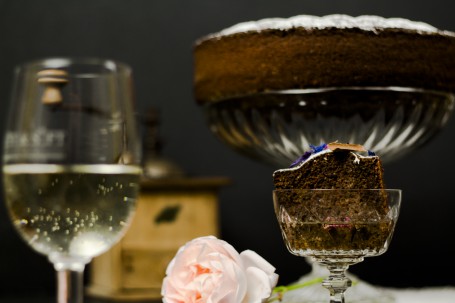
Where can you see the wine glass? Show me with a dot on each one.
(71, 162)
(337, 227)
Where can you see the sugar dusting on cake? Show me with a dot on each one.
(315, 151)
(365, 22)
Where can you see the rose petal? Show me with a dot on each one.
(251, 258)
(233, 283)
(259, 287)
(260, 274)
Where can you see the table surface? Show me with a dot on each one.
(411, 295)
(424, 295)
(51, 299)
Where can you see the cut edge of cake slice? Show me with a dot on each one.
(333, 166)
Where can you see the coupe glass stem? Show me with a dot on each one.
(70, 286)
(337, 282)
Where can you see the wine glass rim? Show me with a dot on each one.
(62, 62)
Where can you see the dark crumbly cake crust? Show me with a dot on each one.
(324, 221)
(364, 238)
(254, 62)
(337, 169)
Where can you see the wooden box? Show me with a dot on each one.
(169, 213)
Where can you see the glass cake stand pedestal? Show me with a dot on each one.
(278, 127)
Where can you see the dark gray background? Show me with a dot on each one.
(156, 38)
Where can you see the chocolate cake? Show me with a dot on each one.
(334, 165)
(313, 52)
(332, 200)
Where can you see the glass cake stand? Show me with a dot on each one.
(278, 126)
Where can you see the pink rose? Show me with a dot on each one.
(210, 270)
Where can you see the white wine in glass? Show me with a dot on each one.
(71, 163)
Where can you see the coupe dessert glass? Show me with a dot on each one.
(71, 163)
(337, 227)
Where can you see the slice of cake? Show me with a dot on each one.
(332, 199)
(333, 165)
(315, 52)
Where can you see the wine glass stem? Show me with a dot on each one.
(70, 288)
(337, 282)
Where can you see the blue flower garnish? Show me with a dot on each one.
(318, 149)
(302, 158)
(307, 154)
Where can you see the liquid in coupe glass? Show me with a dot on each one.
(71, 164)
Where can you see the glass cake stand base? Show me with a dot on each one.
(359, 292)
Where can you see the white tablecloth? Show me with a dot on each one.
(424, 295)
(365, 293)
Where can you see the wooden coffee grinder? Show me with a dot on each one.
(172, 209)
